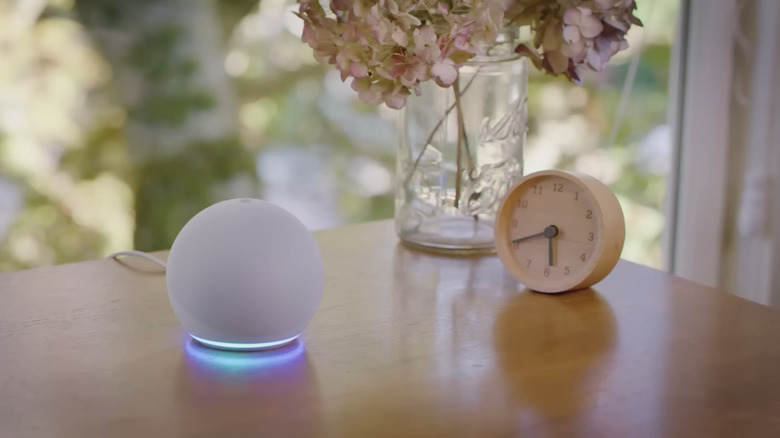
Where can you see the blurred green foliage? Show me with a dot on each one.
(116, 125)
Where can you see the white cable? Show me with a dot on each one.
(141, 254)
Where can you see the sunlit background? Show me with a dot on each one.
(120, 119)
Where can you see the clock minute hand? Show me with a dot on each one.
(550, 245)
(550, 233)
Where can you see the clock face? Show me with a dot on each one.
(553, 231)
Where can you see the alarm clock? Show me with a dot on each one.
(558, 231)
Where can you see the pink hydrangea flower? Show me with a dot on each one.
(444, 72)
(389, 47)
(580, 23)
(572, 35)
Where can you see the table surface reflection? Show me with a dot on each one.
(404, 344)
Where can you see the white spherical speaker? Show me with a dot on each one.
(244, 274)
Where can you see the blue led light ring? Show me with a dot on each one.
(241, 346)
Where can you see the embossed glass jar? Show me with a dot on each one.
(460, 149)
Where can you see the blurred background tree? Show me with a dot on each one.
(181, 133)
(120, 119)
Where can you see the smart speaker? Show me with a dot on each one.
(244, 274)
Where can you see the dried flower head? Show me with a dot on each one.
(573, 34)
(389, 47)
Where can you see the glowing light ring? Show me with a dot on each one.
(243, 347)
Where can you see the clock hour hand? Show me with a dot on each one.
(548, 232)
(532, 236)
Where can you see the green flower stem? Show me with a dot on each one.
(463, 142)
(458, 159)
(434, 131)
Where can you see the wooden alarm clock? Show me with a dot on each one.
(558, 231)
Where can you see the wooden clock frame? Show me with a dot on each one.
(610, 226)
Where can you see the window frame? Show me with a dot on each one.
(700, 114)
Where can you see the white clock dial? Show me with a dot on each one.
(554, 202)
(558, 231)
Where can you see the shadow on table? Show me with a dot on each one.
(268, 393)
(555, 351)
(546, 355)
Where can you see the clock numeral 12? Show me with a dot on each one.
(557, 187)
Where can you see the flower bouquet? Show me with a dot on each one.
(393, 49)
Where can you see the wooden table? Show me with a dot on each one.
(404, 344)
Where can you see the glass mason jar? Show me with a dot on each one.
(460, 149)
